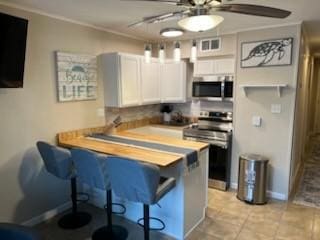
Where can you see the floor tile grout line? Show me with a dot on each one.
(243, 224)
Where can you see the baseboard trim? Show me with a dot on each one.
(275, 195)
(47, 215)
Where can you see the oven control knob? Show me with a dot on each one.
(201, 113)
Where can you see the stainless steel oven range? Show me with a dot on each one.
(215, 128)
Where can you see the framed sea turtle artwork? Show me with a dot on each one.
(77, 76)
(276, 52)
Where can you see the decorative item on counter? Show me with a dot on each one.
(166, 110)
(77, 76)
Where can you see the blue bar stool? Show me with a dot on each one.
(58, 162)
(10, 231)
(92, 170)
(138, 182)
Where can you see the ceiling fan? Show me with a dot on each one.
(198, 15)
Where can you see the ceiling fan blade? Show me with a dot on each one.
(173, 2)
(161, 18)
(255, 10)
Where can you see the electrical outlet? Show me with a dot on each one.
(100, 112)
(276, 108)
(256, 121)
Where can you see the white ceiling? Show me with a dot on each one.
(117, 14)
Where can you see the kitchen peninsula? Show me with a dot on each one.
(180, 209)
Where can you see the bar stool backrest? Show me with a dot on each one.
(57, 160)
(133, 180)
(91, 168)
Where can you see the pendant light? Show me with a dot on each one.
(193, 54)
(147, 53)
(162, 53)
(177, 52)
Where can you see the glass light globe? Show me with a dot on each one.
(200, 23)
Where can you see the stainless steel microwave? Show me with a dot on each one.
(217, 90)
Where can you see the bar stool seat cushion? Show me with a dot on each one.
(15, 232)
(165, 187)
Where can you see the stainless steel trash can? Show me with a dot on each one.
(252, 179)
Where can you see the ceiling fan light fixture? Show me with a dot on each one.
(171, 32)
(200, 23)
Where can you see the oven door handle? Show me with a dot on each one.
(223, 145)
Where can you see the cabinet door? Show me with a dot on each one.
(204, 67)
(150, 82)
(173, 82)
(129, 81)
(224, 66)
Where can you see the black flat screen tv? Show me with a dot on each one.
(13, 39)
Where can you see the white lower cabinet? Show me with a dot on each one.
(173, 82)
(129, 81)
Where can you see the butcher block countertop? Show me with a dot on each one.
(78, 139)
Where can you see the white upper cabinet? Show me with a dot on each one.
(214, 67)
(150, 82)
(225, 66)
(204, 67)
(173, 82)
(129, 81)
(121, 76)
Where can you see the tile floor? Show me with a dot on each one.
(227, 218)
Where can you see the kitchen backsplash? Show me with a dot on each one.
(132, 113)
(193, 108)
(190, 109)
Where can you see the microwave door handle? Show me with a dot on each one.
(222, 89)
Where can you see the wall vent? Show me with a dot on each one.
(210, 44)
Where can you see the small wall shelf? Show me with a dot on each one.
(278, 87)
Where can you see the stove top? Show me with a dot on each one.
(211, 125)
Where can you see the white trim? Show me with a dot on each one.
(59, 17)
(47, 215)
(275, 195)
(293, 110)
(196, 225)
(263, 27)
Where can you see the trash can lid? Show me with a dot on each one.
(254, 157)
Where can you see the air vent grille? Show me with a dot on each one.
(212, 44)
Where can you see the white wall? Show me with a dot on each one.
(274, 138)
(33, 113)
(302, 110)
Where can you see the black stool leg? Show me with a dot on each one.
(110, 232)
(146, 222)
(74, 219)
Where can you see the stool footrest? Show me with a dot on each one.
(119, 205)
(153, 218)
(82, 194)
